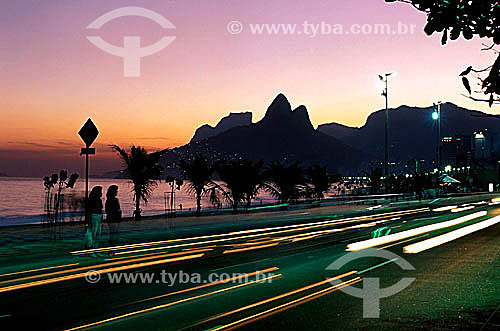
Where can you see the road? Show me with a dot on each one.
(276, 277)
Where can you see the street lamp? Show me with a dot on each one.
(384, 78)
(436, 115)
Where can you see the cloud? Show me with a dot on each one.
(34, 144)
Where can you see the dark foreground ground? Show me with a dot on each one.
(456, 287)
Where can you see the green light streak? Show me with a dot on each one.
(376, 266)
(266, 207)
(215, 327)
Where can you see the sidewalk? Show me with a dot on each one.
(36, 242)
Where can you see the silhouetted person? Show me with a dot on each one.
(180, 206)
(95, 211)
(113, 213)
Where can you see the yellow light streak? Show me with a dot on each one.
(458, 210)
(256, 235)
(303, 238)
(212, 284)
(171, 303)
(446, 208)
(158, 255)
(276, 297)
(295, 227)
(287, 305)
(102, 271)
(90, 267)
(249, 248)
(39, 269)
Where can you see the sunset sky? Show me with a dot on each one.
(53, 78)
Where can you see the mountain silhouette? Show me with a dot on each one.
(287, 135)
(231, 121)
(283, 135)
(413, 132)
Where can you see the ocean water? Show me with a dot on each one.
(22, 199)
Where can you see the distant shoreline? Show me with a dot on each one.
(36, 177)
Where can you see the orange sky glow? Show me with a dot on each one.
(53, 78)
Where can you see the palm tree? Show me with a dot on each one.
(375, 179)
(285, 183)
(199, 174)
(320, 180)
(143, 170)
(242, 180)
(254, 180)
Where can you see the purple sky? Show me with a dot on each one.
(53, 78)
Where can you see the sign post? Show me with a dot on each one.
(88, 133)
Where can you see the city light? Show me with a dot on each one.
(435, 116)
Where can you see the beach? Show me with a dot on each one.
(22, 200)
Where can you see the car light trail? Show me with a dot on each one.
(303, 238)
(39, 269)
(212, 284)
(285, 306)
(375, 266)
(458, 210)
(95, 266)
(277, 297)
(253, 242)
(143, 257)
(295, 227)
(248, 248)
(363, 225)
(411, 233)
(446, 208)
(102, 271)
(234, 238)
(171, 303)
(269, 207)
(406, 240)
(439, 240)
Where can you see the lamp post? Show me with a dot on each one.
(436, 115)
(384, 78)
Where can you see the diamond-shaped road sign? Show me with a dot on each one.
(88, 132)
